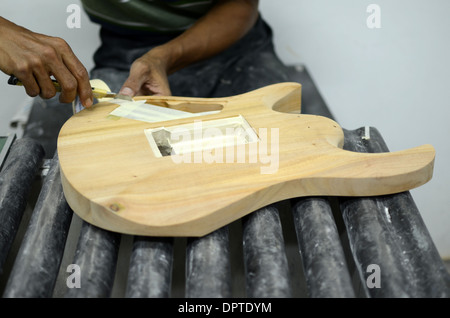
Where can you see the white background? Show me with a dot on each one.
(395, 78)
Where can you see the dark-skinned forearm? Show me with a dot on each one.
(225, 24)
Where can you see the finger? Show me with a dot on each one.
(131, 87)
(156, 90)
(80, 74)
(125, 90)
(68, 85)
(29, 71)
(163, 88)
(135, 80)
(31, 86)
(158, 85)
(47, 88)
(66, 80)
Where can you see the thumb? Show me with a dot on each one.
(133, 83)
(125, 90)
(130, 87)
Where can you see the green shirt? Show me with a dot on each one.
(156, 16)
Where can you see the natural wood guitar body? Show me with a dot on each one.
(113, 179)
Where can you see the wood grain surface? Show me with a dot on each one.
(112, 178)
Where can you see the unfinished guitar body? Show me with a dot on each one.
(190, 176)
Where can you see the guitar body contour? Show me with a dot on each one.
(114, 177)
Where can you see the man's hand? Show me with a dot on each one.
(227, 22)
(148, 75)
(34, 57)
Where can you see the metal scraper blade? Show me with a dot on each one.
(77, 106)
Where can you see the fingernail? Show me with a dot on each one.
(88, 102)
(126, 91)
